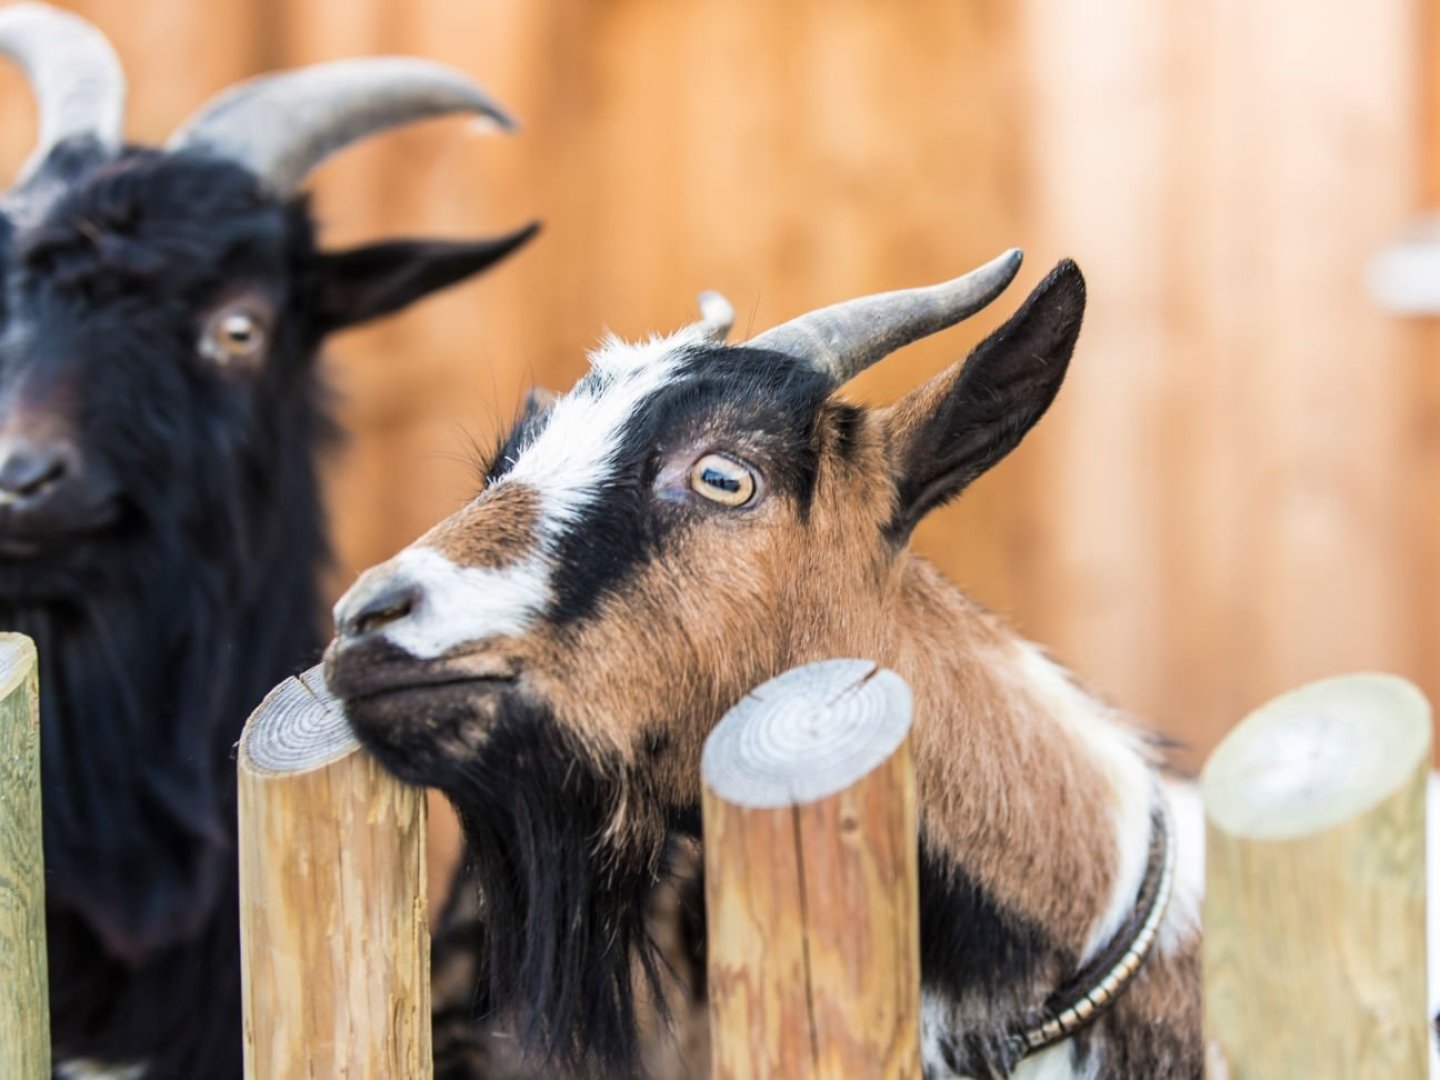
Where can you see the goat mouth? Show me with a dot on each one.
(369, 677)
(420, 687)
(20, 547)
(33, 540)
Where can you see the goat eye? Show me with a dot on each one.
(233, 336)
(723, 480)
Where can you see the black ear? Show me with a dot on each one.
(959, 424)
(367, 282)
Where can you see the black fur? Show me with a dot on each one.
(563, 906)
(164, 616)
(1006, 955)
(762, 407)
(985, 958)
(534, 414)
(845, 421)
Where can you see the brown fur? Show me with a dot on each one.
(729, 608)
(1020, 774)
(510, 514)
(1045, 847)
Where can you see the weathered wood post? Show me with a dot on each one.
(811, 880)
(336, 948)
(1315, 900)
(24, 979)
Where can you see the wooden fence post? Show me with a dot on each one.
(24, 979)
(336, 948)
(1314, 944)
(811, 879)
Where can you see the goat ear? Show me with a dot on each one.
(366, 282)
(955, 427)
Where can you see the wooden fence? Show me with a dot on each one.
(1315, 954)
(811, 882)
(336, 962)
(1315, 906)
(1315, 911)
(24, 985)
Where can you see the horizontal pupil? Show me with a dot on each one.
(716, 479)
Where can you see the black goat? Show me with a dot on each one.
(160, 522)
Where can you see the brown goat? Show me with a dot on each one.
(691, 520)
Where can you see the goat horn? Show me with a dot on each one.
(717, 316)
(846, 338)
(281, 126)
(74, 73)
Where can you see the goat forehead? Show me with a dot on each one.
(639, 397)
(489, 569)
(573, 460)
(151, 217)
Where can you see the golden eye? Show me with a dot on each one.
(723, 480)
(233, 335)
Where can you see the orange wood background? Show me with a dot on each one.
(1237, 490)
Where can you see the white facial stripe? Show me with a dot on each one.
(572, 462)
(568, 466)
(459, 604)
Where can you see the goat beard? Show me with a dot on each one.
(135, 836)
(565, 848)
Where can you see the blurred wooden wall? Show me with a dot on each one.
(1237, 489)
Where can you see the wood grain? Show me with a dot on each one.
(336, 947)
(1315, 946)
(24, 982)
(1228, 467)
(812, 895)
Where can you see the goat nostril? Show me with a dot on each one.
(27, 474)
(387, 606)
(50, 476)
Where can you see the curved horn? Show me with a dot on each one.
(846, 338)
(281, 126)
(717, 316)
(76, 77)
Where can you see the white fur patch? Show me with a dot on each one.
(934, 1020)
(458, 604)
(1187, 818)
(1117, 753)
(1054, 1063)
(571, 464)
(87, 1069)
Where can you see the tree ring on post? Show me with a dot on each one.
(806, 735)
(299, 727)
